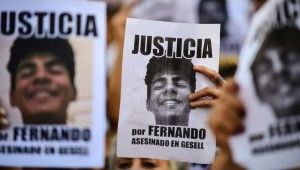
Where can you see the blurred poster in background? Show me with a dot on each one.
(268, 77)
(52, 83)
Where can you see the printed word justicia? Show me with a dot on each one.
(172, 47)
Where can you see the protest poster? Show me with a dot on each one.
(158, 56)
(268, 77)
(53, 83)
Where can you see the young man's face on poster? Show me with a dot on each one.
(168, 95)
(42, 85)
(278, 78)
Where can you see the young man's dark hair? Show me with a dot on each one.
(22, 48)
(169, 82)
(276, 72)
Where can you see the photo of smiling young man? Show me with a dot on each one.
(276, 71)
(42, 79)
(169, 82)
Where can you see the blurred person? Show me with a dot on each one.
(226, 13)
(118, 13)
(118, 23)
(121, 163)
(214, 12)
(140, 164)
(195, 166)
(278, 62)
(42, 79)
(222, 12)
(113, 7)
(225, 120)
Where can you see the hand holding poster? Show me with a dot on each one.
(156, 120)
(49, 52)
(268, 76)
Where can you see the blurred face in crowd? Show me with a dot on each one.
(43, 86)
(278, 78)
(211, 11)
(168, 96)
(140, 164)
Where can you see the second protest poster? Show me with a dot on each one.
(156, 120)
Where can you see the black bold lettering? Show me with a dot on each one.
(178, 133)
(90, 26)
(186, 133)
(179, 48)
(207, 51)
(16, 133)
(64, 26)
(146, 46)
(25, 26)
(171, 131)
(156, 131)
(75, 134)
(133, 141)
(163, 131)
(170, 46)
(8, 23)
(199, 48)
(44, 134)
(65, 134)
(33, 133)
(194, 134)
(86, 134)
(156, 42)
(202, 133)
(187, 52)
(136, 44)
(78, 25)
(54, 134)
(40, 21)
(52, 23)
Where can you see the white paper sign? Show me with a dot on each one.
(161, 124)
(53, 83)
(268, 75)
